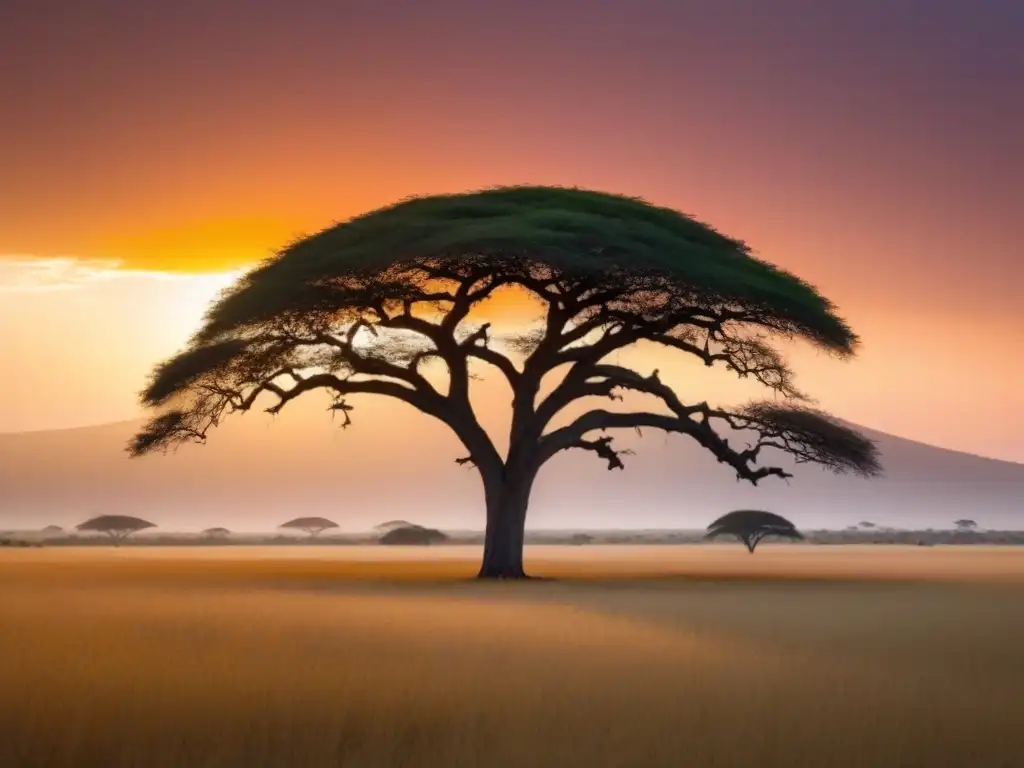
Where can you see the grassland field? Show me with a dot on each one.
(623, 656)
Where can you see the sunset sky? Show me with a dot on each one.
(148, 149)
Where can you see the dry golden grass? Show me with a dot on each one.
(305, 657)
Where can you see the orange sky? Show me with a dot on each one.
(872, 151)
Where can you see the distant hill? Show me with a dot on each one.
(255, 474)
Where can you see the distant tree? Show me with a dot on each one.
(965, 525)
(390, 525)
(360, 307)
(117, 527)
(216, 533)
(314, 526)
(22, 543)
(866, 524)
(752, 525)
(580, 538)
(52, 530)
(413, 535)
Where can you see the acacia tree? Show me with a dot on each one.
(414, 535)
(391, 525)
(216, 533)
(314, 526)
(117, 527)
(752, 525)
(965, 525)
(363, 306)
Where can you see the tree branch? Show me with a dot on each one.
(807, 435)
(602, 446)
(743, 356)
(569, 436)
(577, 385)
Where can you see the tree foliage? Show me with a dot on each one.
(117, 527)
(413, 535)
(372, 305)
(390, 525)
(314, 526)
(752, 525)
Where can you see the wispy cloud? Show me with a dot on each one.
(32, 274)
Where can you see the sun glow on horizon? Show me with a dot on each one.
(197, 295)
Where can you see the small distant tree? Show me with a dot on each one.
(314, 526)
(117, 527)
(413, 535)
(866, 524)
(752, 525)
(391, 525)
(965, 525)
(580, 538)
(216, 533)
(52, 530)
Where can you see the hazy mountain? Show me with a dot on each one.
(254, 474)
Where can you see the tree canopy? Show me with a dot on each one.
(390, 525)
(414, 535)
(752, 525)
(117, 527)
(363, 306)
(314, 526)
(216, 532)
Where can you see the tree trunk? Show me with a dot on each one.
(507, 502)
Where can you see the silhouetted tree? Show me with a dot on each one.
(363, 306)
(414, 535)
(314, 526)
(965, 525)
(52, 530)
(117, 527)
(390, 525)
(216, 533)
(866, 524)
(580, 539)
(752, 525)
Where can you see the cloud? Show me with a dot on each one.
(33, 274)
